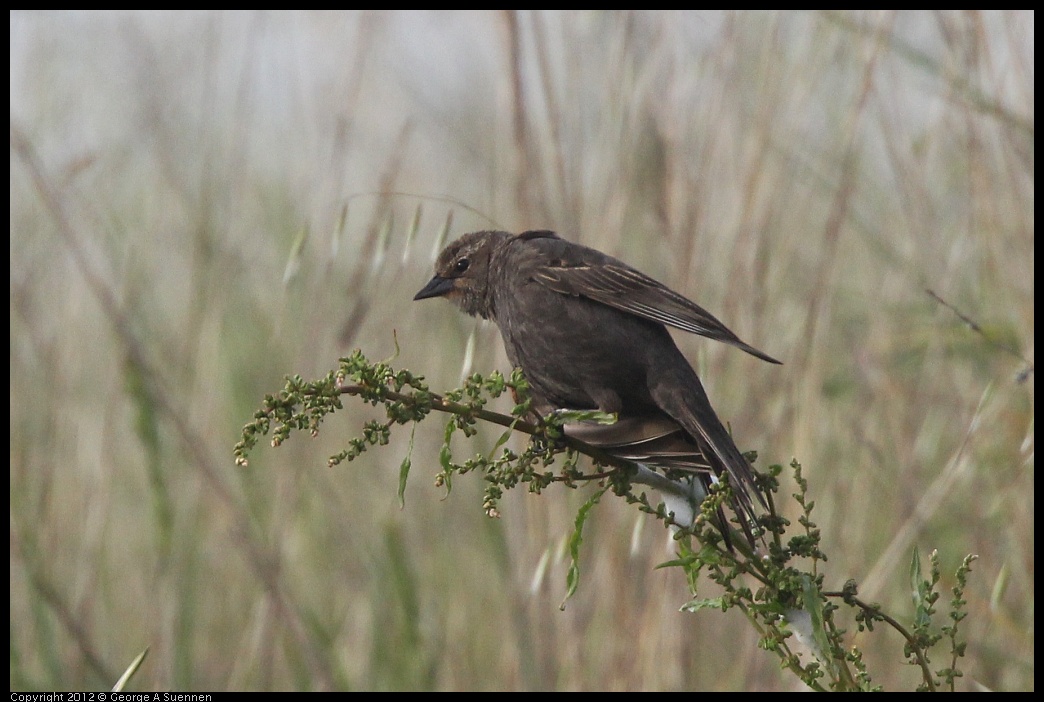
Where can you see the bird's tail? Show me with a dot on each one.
(678, 392)
(657, 441)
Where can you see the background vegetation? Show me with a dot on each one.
(202, 203)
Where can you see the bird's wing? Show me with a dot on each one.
(657, 440)
(629, 290)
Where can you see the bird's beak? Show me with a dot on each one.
(436, 287)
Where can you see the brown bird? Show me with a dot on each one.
(588, 332)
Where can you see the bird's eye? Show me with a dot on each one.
(461, 265)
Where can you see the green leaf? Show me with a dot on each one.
(915, 573)
(131, 670)
(596, 416)
(1000, 586)
(404, 469)
(678, 562)
(919, 592)
(703, 603)
(573, 575)
(812, 602)
(500, 442)
(446, 455)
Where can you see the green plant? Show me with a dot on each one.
(778, 585)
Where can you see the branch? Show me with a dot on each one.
(441, 404)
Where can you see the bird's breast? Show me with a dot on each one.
(577, 353)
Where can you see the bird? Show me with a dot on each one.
(590, 333)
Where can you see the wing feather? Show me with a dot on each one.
(629, 290)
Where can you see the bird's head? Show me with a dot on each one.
(462, 273)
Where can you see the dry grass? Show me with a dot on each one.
(805, 176)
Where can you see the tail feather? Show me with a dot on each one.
(679, 393)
